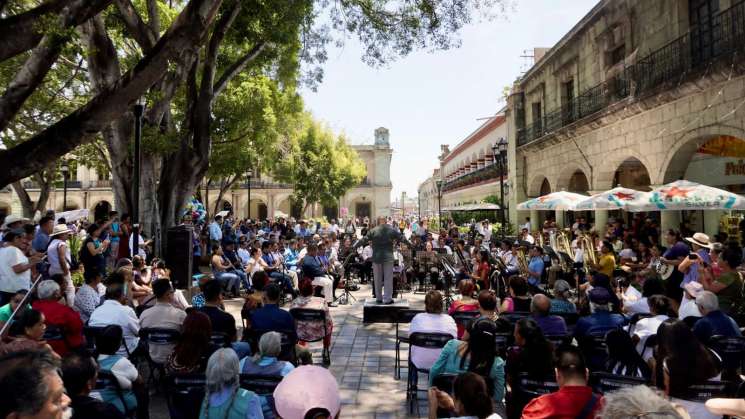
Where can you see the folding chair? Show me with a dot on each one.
(444, 382)
(514, 316)
(422, 340)
(700, 393)
(527, 388)
(90, 333)
(54, 333)
(595, 351)
(604, 382)
(464, 318)
(262, 385)
(313, 315)
(502, 341)
(404, 316)
(289, 340)
(184, 395)
(219, 339)
(156, 336)
(559, 340)
(732, 351)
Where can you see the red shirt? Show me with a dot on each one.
(66, 318)
(566, 403)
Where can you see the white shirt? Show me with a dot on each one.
(255, 266)
(244, 255)
(140, 240)
(688, 308)
(634, 302)
(10, 281)
(646, 328)
(166, 316)
(113, 312)
(430, 323)
(529, 239)
(367, 252)
(124, 371)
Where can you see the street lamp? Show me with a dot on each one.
(139, 110)
(249, 173)
(499, 152)
(438, 184)
(65, 169)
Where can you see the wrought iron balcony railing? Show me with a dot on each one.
(713, 39)
(485, 173)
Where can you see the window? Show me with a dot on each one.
(618, 54)
(700, 13)
(567, 101)
(536, 115)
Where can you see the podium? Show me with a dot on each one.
(372, 312)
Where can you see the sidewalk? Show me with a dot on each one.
(362, 359)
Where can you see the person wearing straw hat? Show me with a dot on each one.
(59, 258)
(689, 266)
(12, 222)
(15, 267)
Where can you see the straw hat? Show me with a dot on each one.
(699, 239)
(60, 229)
(13, 219)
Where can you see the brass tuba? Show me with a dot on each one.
(522, 262)
(564, 245)
(588, 249)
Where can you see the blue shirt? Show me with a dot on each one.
(312, 267)
(449, 363)
(678, 250)
(269, 360)
(551, 325)
(271, 317)
(291, 258)
(562, 306)
(215, 231)
(692, 273)
(41, 241)
(535, 265)
(715, 323)
(598, 323)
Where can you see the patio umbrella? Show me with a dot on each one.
(562, 201)
(687, 195)
(616, 198)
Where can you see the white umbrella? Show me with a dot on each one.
(616, 198)
(561, 201)
(687, 195)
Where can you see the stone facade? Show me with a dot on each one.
(371, 198)
(427, 193)
(626, 98)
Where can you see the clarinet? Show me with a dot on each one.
(463, 262)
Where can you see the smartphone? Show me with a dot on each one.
(693, 256)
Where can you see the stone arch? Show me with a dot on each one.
(679, 155)
(73, 203)
(632, 173)
(537, 185)
(606, 170)
(5, 209)
(571, 175)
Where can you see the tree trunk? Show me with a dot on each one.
(186, 34)
(224, 186)
(150, 218)
(27, 204)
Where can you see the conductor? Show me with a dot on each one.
(382, 238)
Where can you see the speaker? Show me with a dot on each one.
(179, 255)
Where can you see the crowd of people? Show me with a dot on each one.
(536, 325)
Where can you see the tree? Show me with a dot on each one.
(320, 167)
(182, 58)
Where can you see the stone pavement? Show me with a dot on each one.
(362, 359)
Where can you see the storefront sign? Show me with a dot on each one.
(724, 146)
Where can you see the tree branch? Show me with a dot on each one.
(23, 32)
(237, 67)
(142, 33)
(153, 17)
(79, 126)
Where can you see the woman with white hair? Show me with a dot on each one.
(265, 363)
(64, 321)
(639, 401)
(224, 398)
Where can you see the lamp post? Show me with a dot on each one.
(65, 169)
(499, 151)
(139, 110)
(438, 183)
(249, 173)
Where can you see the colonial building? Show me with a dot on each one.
(427, 196)
(638, 93)
(370, 198)
(470, 171)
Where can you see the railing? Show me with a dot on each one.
(720, 36)
(480, 175)
(102, 183)
(260, 184)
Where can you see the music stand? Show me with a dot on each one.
(448, 273)
(345, 297)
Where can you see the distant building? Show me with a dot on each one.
(85, 189)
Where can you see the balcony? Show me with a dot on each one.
(485, 173)
(672, 64)
(260, 184)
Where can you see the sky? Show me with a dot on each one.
(431, 98)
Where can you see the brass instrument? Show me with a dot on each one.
(522, 263)
(564, 245)
(539, 239)
(588, 249)
(466, 265)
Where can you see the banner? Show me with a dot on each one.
(72, 215)
(724, 146)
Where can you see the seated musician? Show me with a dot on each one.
(482, 270)
(526, 237)
(507, 254)
(441, 245)
(462, 260)
(535, 267)
(323, 256)
(427, 262)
